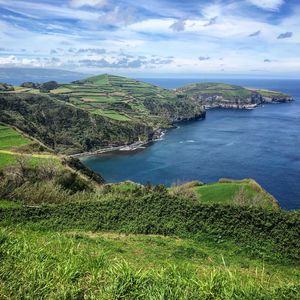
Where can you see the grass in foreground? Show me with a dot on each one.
(52, 265)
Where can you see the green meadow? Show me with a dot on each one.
(10, 138)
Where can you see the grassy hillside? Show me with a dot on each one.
(85, 265)
(64, 127)
(242, 192)
(62, 239)
(123, 99)
(101, 111)
(147, 244)
(220, 89)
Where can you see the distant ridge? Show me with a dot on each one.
(16, 76)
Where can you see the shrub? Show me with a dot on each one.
(48, 86)
(29, 84)
(184, 191)
(40, 192)
(47, 192)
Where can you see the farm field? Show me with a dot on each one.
(117, 98)
(10, 138)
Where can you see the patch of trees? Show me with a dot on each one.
(31, 85)
(48, 86)
(44, 87)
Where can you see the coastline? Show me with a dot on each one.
(130, 147)
(157, 136)
(159, 133)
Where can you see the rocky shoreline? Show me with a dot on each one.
(251, 104)
(156, 136)
(218, 95)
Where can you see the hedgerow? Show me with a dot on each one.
(263, 233)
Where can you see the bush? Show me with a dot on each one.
(72, 182)
(48, 86)
(29, 84)
(40, 192)
(185, 191)
(6, 87)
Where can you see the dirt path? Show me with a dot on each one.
(28, 154)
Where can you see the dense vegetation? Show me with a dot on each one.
(189, 250)
(66, 128)
(276, 232)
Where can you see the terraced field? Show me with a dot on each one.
(10, 138)
(114, 97)
(14, 146)
(123, 99)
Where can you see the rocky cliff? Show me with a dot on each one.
(213, 95)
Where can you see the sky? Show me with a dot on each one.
(153, 37)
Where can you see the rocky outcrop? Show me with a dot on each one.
(277, 99)
(217, 95)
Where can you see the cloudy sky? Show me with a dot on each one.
(157, 37)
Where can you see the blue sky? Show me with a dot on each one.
(153, 37)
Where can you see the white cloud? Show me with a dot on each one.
(271, 5)
(92, 3)
(137, 34)
(178, 25)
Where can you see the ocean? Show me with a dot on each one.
(263, 144)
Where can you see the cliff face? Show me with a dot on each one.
(216, 95)
(65, 128)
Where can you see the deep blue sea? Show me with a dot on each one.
(263, 144)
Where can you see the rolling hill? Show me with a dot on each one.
(101, 111)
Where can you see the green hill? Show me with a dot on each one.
(230, 96)
(98, 112)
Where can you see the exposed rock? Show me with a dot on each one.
(217, 95)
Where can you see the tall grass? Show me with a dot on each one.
(56, 267)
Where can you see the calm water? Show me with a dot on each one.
(263, 144)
